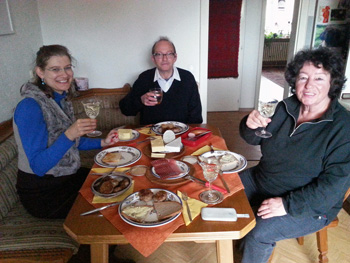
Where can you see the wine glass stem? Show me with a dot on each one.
(210, 195)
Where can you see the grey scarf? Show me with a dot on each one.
(57, 121)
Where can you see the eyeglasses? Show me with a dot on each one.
(68, 69)
(167, 55)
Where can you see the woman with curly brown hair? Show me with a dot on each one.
(299, 184)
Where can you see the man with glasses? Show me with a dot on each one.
(180, 101)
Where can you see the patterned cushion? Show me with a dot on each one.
(110, 115)
(87, 157)
(8, 176)
(21, 231)
(8, 151)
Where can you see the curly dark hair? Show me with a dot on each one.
(42, 58)
(320, 57)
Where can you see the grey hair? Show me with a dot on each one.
(163, 38)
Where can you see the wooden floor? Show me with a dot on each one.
(287, 251)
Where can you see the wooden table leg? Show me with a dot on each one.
(99, 253)
(224, 251)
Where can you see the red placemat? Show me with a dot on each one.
(147, 240)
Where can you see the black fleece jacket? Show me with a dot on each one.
(307, 165)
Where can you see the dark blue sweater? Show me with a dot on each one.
(33, 133)
(180, 103)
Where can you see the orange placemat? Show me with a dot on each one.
(147, 240)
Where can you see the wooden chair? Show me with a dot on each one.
(322, 238)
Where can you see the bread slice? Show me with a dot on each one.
(137, 213)
(167, 209)
(112, 158)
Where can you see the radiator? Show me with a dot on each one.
(275, 52)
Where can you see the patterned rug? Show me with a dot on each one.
(276, 75)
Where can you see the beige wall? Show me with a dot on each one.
(17, 53)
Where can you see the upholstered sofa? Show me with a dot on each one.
(24, 238)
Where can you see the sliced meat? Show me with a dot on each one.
(166, 168)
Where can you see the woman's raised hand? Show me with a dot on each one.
(256, 120)
(111, 138)
(80, 127)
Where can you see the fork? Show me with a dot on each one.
(185, 198)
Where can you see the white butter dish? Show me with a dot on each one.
(221, 214)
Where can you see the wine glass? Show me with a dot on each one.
(158, 93)
(266, 109)
(92, 109)
(211, 170)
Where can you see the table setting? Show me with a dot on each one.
(184, 188)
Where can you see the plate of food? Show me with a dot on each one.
(126, 135)
(119, 156)
(111, 185)
(150, 208)
(230, 162)
(169, 169)
(137, 170)
(176, 127)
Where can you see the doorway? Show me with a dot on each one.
(277, 31)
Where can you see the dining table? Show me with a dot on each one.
(105, 228)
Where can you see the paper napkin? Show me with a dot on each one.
(147, 130)
(119, 198)
(108, 170)
(195, 208)
(204, 149)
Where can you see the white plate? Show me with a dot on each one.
(152, 219)
(242, 161)
(129, 154)
(134, 136)
(184, 168)
(184, 127)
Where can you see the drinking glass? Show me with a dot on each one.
(211, 171)
(92, 109)
(158, 93)
(266, 109)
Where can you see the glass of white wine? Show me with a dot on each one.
(92, 109)
(266, 109)
(211, 170)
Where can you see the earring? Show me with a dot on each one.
(42, 82)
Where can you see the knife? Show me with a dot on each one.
(220, 172)
(99, 209)
(202, 182)
(223, 181)
(197, 136)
